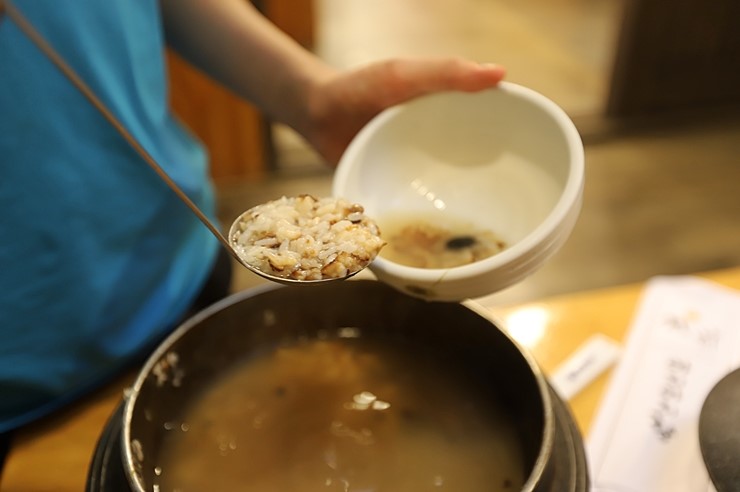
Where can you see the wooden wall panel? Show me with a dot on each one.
(295, 17)
(235, 132)
(674, 55)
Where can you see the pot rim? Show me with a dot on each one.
(132, 393)
(548, 428)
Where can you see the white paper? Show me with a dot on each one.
(684, 338)
(589, 361)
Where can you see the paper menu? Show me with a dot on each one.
(684, 338)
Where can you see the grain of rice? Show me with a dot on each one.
(307, 238)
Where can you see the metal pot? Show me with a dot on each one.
(212, 341)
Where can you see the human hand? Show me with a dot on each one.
(293, 86)
(343, 103)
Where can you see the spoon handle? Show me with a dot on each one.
(25, 26)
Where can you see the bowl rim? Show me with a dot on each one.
(569, 195)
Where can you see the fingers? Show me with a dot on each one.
(347, 102)
(405, 79)
(451, 74)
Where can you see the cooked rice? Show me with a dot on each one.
(306, 238)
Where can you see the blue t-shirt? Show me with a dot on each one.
(98, 257)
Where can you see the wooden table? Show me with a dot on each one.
(54, 455)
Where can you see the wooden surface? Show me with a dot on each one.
(55, 454)
(571, 319)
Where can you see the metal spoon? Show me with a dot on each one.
(90, 95)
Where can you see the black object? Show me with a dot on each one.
(106, 469)
(458, 336)
(460, 242)
(719, 433)
(6, 440)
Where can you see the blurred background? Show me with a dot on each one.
(652, 85)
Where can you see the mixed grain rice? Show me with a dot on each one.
(307, 238)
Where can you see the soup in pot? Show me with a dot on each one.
(341, 414)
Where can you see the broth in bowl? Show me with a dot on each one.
(435, 240)
(341, 414)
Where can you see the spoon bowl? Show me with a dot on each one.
(305, 240)
(290, 281)
(274, 278)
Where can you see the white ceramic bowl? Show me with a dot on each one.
(506, 159)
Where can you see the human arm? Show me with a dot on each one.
(234, 43)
